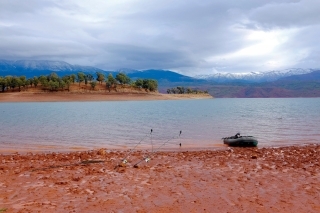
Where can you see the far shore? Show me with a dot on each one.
(94, 96)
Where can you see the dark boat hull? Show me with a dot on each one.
(243, 141)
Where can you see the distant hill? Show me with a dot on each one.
(165, 76)
(161, 75)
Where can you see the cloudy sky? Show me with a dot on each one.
(188, 36)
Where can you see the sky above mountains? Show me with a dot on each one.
(188, 36)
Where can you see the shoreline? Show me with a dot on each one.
(283, 179)
(47, 149)
(94, 96)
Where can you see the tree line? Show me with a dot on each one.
(53, 82)
(183, 90)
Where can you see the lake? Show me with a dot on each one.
(123, 124)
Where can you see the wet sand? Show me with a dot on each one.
(285, 179)
(93, 96)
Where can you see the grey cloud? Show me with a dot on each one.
(286, 15)
(185, 35)
(143, 58)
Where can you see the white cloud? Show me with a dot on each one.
(192, 37)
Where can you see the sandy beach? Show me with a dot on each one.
(285, 179)
(94, 96)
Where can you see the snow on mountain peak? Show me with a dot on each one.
(43, 65)
(255, 76)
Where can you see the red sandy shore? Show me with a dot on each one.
(285, 179)
(93, 96)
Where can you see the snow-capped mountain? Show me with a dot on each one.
(254, 76)
(39, 67)
(43, 65)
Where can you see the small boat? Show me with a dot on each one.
(242, 141)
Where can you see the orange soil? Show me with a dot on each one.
(285, 179)
(65, 96)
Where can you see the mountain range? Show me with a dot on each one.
(255, 76)
(295, 82)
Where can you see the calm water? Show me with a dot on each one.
(50, 126)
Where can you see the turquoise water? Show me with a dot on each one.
(64, 125)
